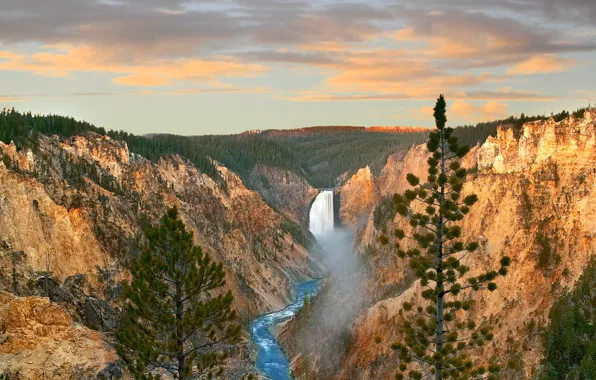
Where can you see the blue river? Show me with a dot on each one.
(271, 360)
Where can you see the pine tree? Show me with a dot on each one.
(173, 322)
(437, 337)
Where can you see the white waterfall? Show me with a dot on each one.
(321, 214)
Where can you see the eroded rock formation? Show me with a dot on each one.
(537, 191)
(39, 340)
(79, 206)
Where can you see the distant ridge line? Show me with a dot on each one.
(340, 129)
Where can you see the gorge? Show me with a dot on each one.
(83, 200)
(271, 360)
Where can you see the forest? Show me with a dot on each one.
(324, 156)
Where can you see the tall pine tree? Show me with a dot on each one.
(436, 334)
(173, 320)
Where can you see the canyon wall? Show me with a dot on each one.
(287, 192)
(357, 197)
(537, 204)
(80, 205)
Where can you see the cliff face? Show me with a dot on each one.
(357, 197)
(40, 341)
(284, 190)
(537, 205)
(82, 203)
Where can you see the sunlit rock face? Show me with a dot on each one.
(40, 340)
(570, 141)
(357, 197)
(537, 184)
(84, 201)
(81, 204)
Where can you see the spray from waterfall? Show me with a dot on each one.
(321, 214)
(328, 331)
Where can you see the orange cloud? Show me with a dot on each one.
(423, 113)
(462, 109)
(386, 71)
(325, 46)
(62, 60)
(142, 80)
(406, 34)
(542, 64)
(469, 112)
(455, 44)
(11, 99)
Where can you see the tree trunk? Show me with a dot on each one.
(439, 270)
(179, 339)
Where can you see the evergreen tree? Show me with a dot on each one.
(570, 339)
(172, 321)
(436, 336)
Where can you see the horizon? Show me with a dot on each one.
(227, 67)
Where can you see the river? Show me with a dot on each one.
(271, 360)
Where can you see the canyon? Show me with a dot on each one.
(79, 204)
(536, 187)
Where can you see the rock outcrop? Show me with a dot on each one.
(358, 197)
(39, 340)
(284, 190)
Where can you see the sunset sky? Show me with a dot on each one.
(204, 67)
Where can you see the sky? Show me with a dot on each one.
(227, 66)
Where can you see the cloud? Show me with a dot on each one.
(314, 96)
(354, 50)
(542, 64)
(394, 71)
(478, 39)
(64, 60)
(181, 28)
(316, 58)
(504, 94)
(462, 110)
(11, 99)
(423, 113)
(224, 90)
(221, 88)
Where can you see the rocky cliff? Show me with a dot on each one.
(537, 191)
(357, 197)
(41, 341)
(289, 193)
(79, 205)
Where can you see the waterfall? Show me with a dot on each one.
(321, 214)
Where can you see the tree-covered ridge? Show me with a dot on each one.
(319, 157)
(570, 339)
(328, 156)
(23, 129)
(319, 154)
(477, 134)
(326, 129)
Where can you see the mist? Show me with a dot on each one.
(323, 333)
